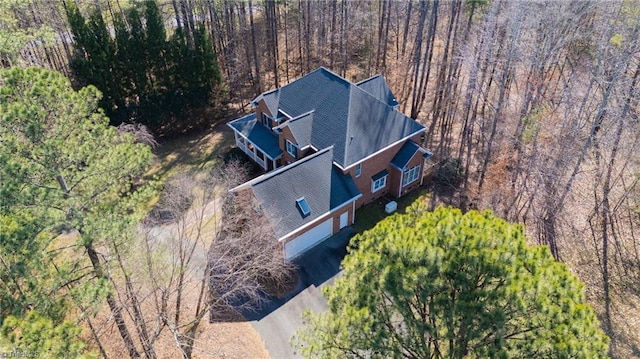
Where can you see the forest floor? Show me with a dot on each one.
(194, 153)
(198, 152)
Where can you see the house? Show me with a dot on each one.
(328, 146)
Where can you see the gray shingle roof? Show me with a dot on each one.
(271, 99)
(259, 135)
(378, 87)
(404, 155)
(345, 116)
(301, 128)
(343, 188)
(314, 178)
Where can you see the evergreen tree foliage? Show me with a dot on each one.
(25, 276)
(444, 284)
(62, 169)
(145, 77)
(37, 335)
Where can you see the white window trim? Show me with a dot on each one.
(358, 170)
(378, 184)
(265, 119)
(411, 175)
(290, 145)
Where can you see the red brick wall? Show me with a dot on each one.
(375, 165)
(260, 109)
(416, 160)
(336, 217)
(394, 181)
(286, 135)
(371, 167)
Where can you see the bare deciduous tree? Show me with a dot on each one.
(206, 251)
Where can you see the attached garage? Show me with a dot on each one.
(305, 241)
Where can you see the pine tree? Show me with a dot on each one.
(444, 284)
(144, 77)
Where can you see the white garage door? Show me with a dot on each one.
(309, 239)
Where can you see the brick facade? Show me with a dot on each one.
(284, 136)
(377, 164)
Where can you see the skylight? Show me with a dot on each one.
(303, 207)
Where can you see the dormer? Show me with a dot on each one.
(267, 111)
(272, 123)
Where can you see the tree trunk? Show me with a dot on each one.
(116, 311)
(256, 64)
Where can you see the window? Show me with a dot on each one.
(379, 181)
(303, 207)
(378, 184)
(411, 176)
(266, 120)
(358, 169)
(291, 149)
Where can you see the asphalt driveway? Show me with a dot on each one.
(281, 318)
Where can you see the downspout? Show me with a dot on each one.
(353, 212)
(424, 161)
(400, 186)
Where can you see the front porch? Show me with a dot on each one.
(260, 144)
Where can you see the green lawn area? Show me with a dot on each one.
(196, 152)
(369, 215)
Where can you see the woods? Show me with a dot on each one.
(145, 77)
(532, 107)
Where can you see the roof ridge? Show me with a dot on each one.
(280, 170)
(349, 137)
(335, 74)
(370, 78)
(377, 99)
(295, 119)
(300, 116)
(270, 91)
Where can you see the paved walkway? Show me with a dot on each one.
(280, 320)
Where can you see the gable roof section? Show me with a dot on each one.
(271, 99)
(406, 153)
(258, 135)
(343, 189)
(378, 87)
(372, 126)
(313, 178)
(301, 128)
(345, 116)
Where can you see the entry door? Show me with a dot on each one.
(344, 219)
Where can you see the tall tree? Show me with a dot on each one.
(73, 172)
(206, 251)
(145, 77)
(444, 284)
(18, 27)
